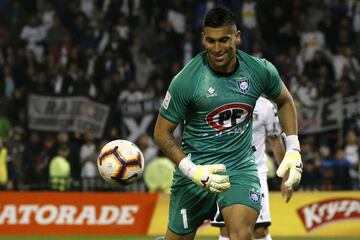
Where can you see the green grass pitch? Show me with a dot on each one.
(149, 238)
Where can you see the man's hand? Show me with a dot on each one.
(291, 162)
(205, 177)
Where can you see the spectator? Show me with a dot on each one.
(40, 172)
(122, 28)
(352, 64)
(16, 148)
(17, 19)
(144, 67)
(4, 181)
(248, 24)
(88, 156)
(144, 32)
(60, 169)
(55, 34)
(123, 68)
(176, 17)
(131, 93)
(31, 159)
(9, 81)
(5, 127)
(41, 84)
(63, 138)
(311, 177)
(304, 91)
(87, 7)
(188, 47)
(352, 153)
(342, 179)
(47, 15)
(56, 76)
(312, 67)
(104, 66)
(339, 61)
(158, 175)
(327, 174)
(147, 147)
(63, 51)
(355, 13)
(169, 50)
(325, 82)
(34, 34)
(312, 40)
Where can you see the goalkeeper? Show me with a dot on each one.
(214, 96)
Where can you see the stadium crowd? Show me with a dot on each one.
(120, 51)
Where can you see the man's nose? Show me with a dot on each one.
(217, 47)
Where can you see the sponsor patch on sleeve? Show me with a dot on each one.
(166, 100)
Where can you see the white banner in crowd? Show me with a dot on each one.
(138, 116)
(77, 114)
(328, 114)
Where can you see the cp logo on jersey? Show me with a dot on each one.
(228, 115)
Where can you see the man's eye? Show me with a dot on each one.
(224, 40)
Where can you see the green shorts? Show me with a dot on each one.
(190, 205)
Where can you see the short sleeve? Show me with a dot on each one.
(273, 83)
(176, 101)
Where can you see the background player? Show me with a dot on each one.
(265, 126)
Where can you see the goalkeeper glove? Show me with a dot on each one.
(204, 175)
(292, 161)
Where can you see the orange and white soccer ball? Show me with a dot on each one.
(120, 161)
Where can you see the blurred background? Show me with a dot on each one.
(77, 74)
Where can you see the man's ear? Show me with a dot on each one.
(202, 38)
(238, 38)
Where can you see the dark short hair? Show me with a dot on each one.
(219, 17)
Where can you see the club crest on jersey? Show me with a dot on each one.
(254, 196)
(243, 85)
(229, 115)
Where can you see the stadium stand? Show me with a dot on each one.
(75, 74)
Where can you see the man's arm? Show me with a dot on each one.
(288, 121)
(164, 138)
(287, 112)
(203, 175)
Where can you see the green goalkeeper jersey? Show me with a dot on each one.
(217, 110)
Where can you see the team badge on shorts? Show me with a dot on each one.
(243, 85)
(254, 196)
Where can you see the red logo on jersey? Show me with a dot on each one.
(228, 115)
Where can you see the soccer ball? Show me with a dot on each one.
(120, 161)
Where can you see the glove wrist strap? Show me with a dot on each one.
(187, 167)
(292, 143)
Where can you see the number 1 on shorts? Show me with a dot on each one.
(184, 216)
